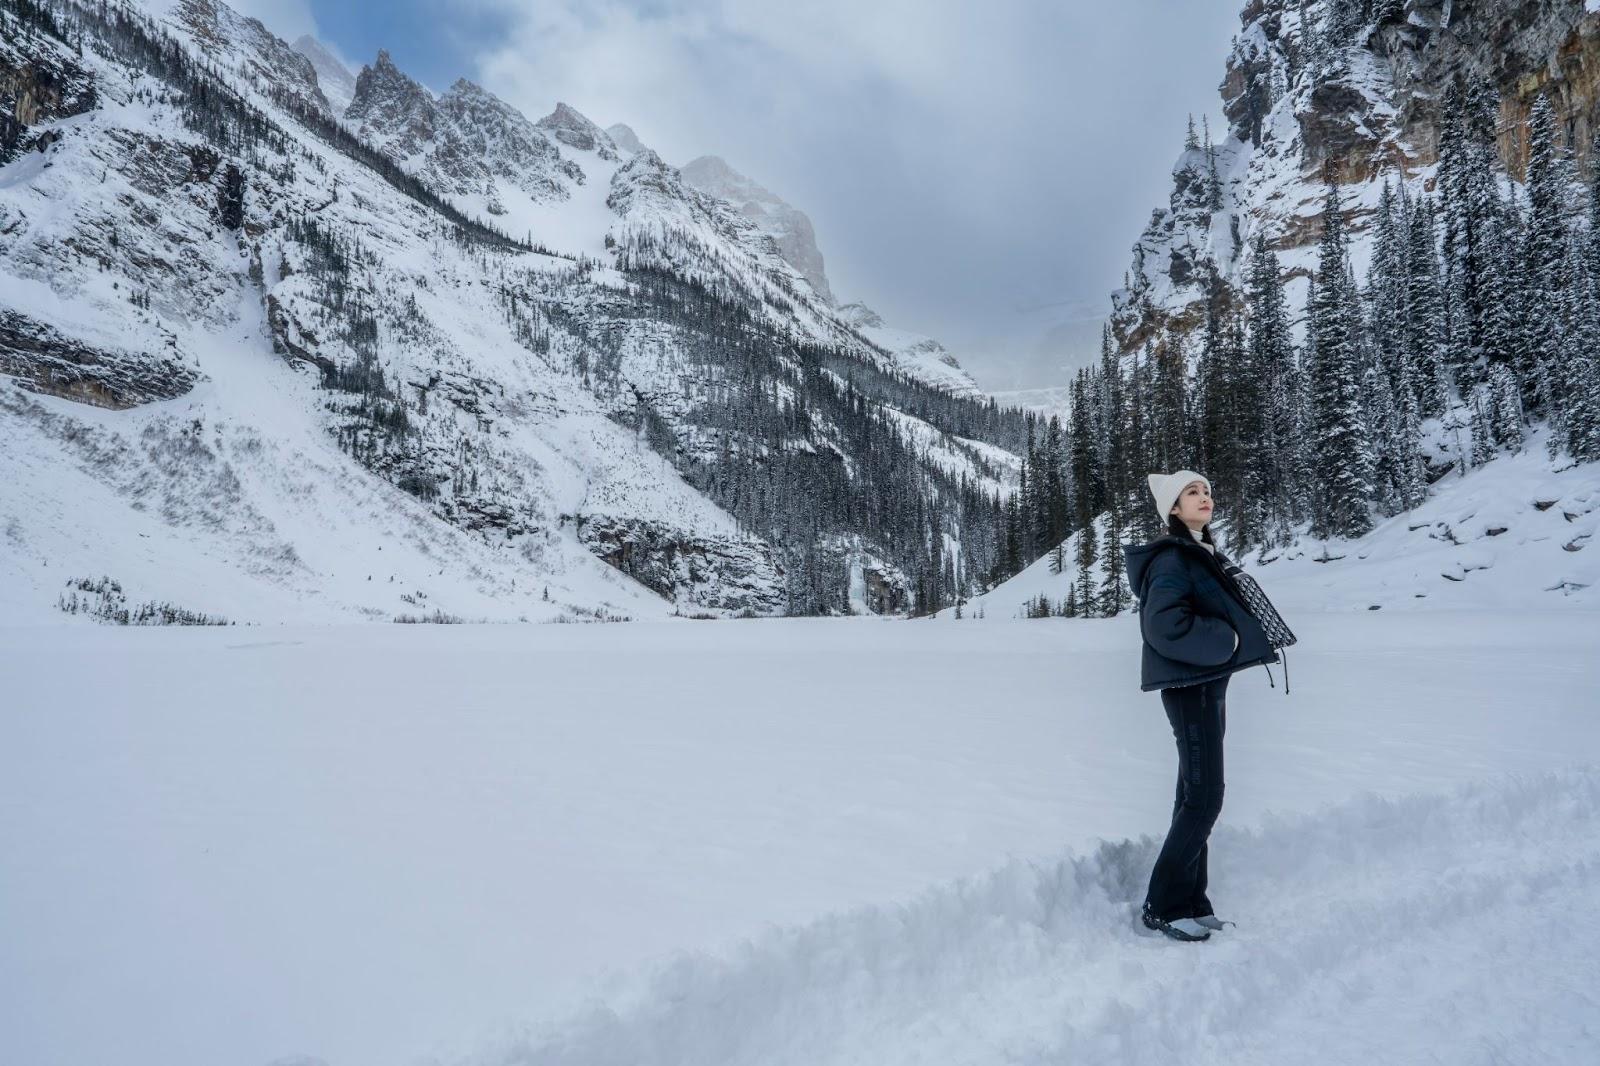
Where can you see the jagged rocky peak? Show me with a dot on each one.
(333, 77)
(393, 111)
(569, 126)
(487, 137)
(624, 138)
(467, 145)
(789, 226)
(243, 47)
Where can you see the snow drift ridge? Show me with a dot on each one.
(1338, 912)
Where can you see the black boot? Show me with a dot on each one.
(1186, 929)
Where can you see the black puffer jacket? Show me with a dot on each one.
(1189, 611)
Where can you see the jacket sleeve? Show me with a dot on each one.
(1172, 627)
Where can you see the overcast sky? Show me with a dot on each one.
(975, 170)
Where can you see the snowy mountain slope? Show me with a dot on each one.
(913, 354)
(468, 146)
(515, 391)
(338, 85)
(244, 49)
(231, 502)
(521, 448)
(922, 357)
(1515, 533)
(785, 223)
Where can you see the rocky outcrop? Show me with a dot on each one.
(572, 129)
(37, 88)
(393, 112)
(46, 360)
(725, 574)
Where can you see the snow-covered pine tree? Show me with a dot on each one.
(1544, 261)
(1169, 402)
(1505, 410)
(1114, 421)
(1087, 556)
(1341, 444)
(1425, 332)
(1474, 236)
(1482, 429)
(1390, 389)
(1083, 455)
(1271, 358)
(1113, 590)
(1213, 179)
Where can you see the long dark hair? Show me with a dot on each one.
(1178, 528)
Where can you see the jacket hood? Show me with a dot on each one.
(1137, 557)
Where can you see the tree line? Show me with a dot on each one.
(1477, 321)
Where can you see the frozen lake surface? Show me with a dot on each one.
(806, 841)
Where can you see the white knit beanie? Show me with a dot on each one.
(1166, 487)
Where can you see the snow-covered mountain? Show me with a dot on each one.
(496, 350)
(468, 146)
(1371, 113)
(788, 225)
(923, 357)
(919, 356)
(335, 80)
(243, 48)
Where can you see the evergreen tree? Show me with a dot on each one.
(1113, 590)
(1087, 555)
(1544, 264)
(1340, 440)
(1425, 332)
(1576, 419)
(1271, 360)
(1504, 408)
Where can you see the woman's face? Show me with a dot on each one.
(1194, 505)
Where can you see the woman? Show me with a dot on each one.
(1197, 631)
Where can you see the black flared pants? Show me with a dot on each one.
(1198, 715)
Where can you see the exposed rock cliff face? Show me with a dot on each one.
(731, 573)
(37, 87)
(48, 361)
(1303, 103)
(574, 130)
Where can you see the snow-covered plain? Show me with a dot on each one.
(806, 841)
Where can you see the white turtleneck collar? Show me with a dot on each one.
(1201, 541)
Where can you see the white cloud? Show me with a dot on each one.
(959, 159)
